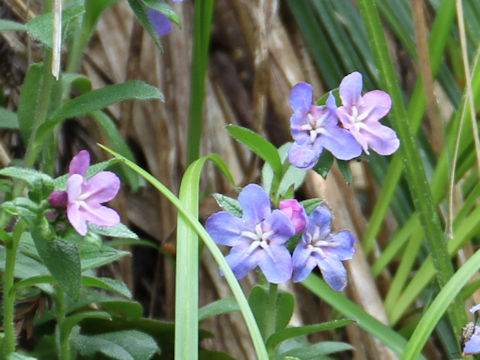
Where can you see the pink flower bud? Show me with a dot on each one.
(58, 199)
(295, 212)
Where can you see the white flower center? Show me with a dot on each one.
(259, 238)
(314, 126)
(318, 244)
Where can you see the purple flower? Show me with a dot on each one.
(161, 23)
(361, 114)
(295, 212)
(316, 127)
(319, 247)
(471, 336)
(257, 238)
(85, 196)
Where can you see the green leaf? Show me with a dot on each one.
(30, 176)
(165, 9)
(292, 178)
(8, 119)
(259, 145)
(292, 332)
(228, 204)
(80, 81)
(28, 102)
(120, 345)
(23, 207)
(41, 27)
(118, 144)
(324, 164)
(345, 170)
(117, 231)
(92, 256)
(97, 100)
(62, 260)
(73, 320)
(310, 204)
(114, 285)
(140, 11)
(126, 309)
(18, 356)
(284, 306)
(222, 306)
(186, 298)
(315, 351)
(8, 25)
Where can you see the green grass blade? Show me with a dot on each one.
(201, 40)
(351, 310)
(410, 154)
(186, 286)
(439, 306)
(214, 250)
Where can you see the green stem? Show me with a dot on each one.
(9, 342)
(63, 339)
(42, 111)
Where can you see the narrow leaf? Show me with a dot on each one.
(8, 119)
(259, 145)
(8, 25)
(222, 306)
(27, 104)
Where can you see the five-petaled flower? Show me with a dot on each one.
(84, 197)
(361, 114)
(160, 22)
(257, 238)
(316, 127)
(471, 336)
(319, 247)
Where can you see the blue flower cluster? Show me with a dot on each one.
(259, 237)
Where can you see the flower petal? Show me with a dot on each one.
(276, 265)
(473, 345)
(295, 212)
(99, 215)
(341, 143)
(318, 224)
(225, 228)
(376, 103)
(344, 249)
(58, 198)
(333, 272)
(241, 261)
(331, 103)
(74, 187)
(255, 204)
(475, 308)
(75, 217)
(102, 187)
(303, 262)
(161, 23)
(80, 163)
(381, 139)
(301, 97)
(302, 156)
(351, 88)
(281, 225)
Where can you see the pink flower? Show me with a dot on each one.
(85, 196)
(361, 114)
(295, 212)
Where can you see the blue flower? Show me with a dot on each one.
(471, 339)
(257, 238)
(319, 247)
(316, 127)
(161, 23)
